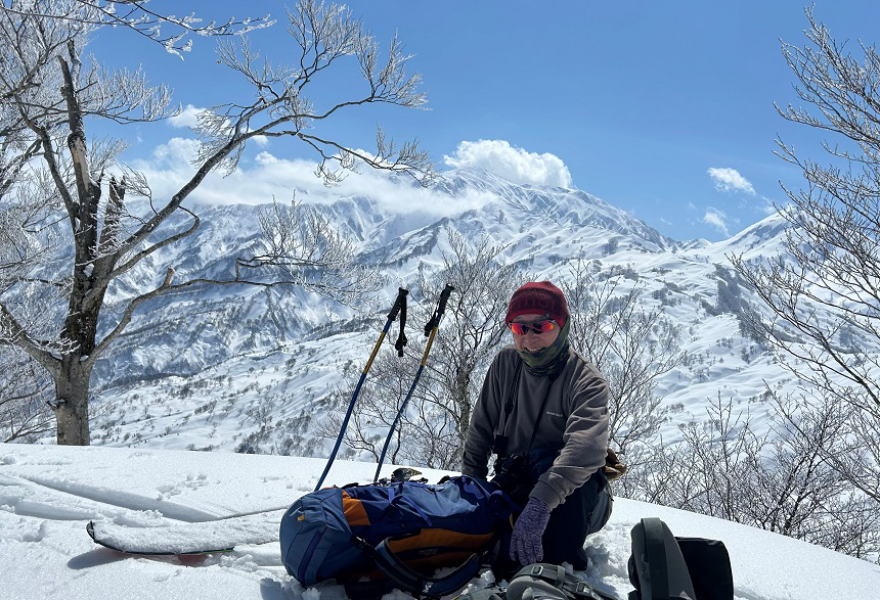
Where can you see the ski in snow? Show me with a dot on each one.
(183, 538)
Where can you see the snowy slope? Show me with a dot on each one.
(48, 494)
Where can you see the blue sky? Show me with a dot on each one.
(664, 109)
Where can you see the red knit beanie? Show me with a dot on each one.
(538, 297)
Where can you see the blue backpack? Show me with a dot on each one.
(395, 534)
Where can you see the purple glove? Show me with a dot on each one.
(525, 543)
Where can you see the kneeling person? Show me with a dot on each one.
(543, 412)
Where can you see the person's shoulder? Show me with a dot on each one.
(504, 363)
(507, 355)
(575, 360)
(579, 367)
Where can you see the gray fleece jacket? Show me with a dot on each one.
(575, 417)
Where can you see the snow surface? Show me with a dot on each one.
(49, 493)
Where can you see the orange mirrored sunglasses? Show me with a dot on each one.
(542, 326)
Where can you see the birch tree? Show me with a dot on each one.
(69, 229)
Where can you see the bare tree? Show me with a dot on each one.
(137, 16)
(473, 329)
(434, 426)
(376, 408)
(715, 463)
(824, 294)
(799, 492)
(632, 346)
(779, 480)
(24, 391)
(299, 245)
(71, 230)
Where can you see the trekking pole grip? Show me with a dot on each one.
(434, 324)
(441, 309)
(399, 303)
(444, 298)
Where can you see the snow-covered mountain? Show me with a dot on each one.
(215, 367)
(49, 493)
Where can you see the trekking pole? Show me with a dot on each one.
(399, 307)
(431, 332)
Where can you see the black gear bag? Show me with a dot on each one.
(665, 567)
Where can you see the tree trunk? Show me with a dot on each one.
(80, 329)
(72, 403)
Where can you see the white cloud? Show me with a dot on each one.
(728, 180)
(267, 176)
(769, 206)
(188, 117)
(514, 164)
(716, 219)
(176, 151)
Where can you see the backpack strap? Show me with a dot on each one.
(499, 441)
(413, 582)
(545, 579)
(655, 553)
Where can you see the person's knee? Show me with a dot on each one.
(600, 512)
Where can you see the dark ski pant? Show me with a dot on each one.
(585, 511)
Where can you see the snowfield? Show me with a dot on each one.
(49, 493)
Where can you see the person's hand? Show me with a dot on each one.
(614, 469)
(525, 542)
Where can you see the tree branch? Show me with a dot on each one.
(20, 338)
(129, 264)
